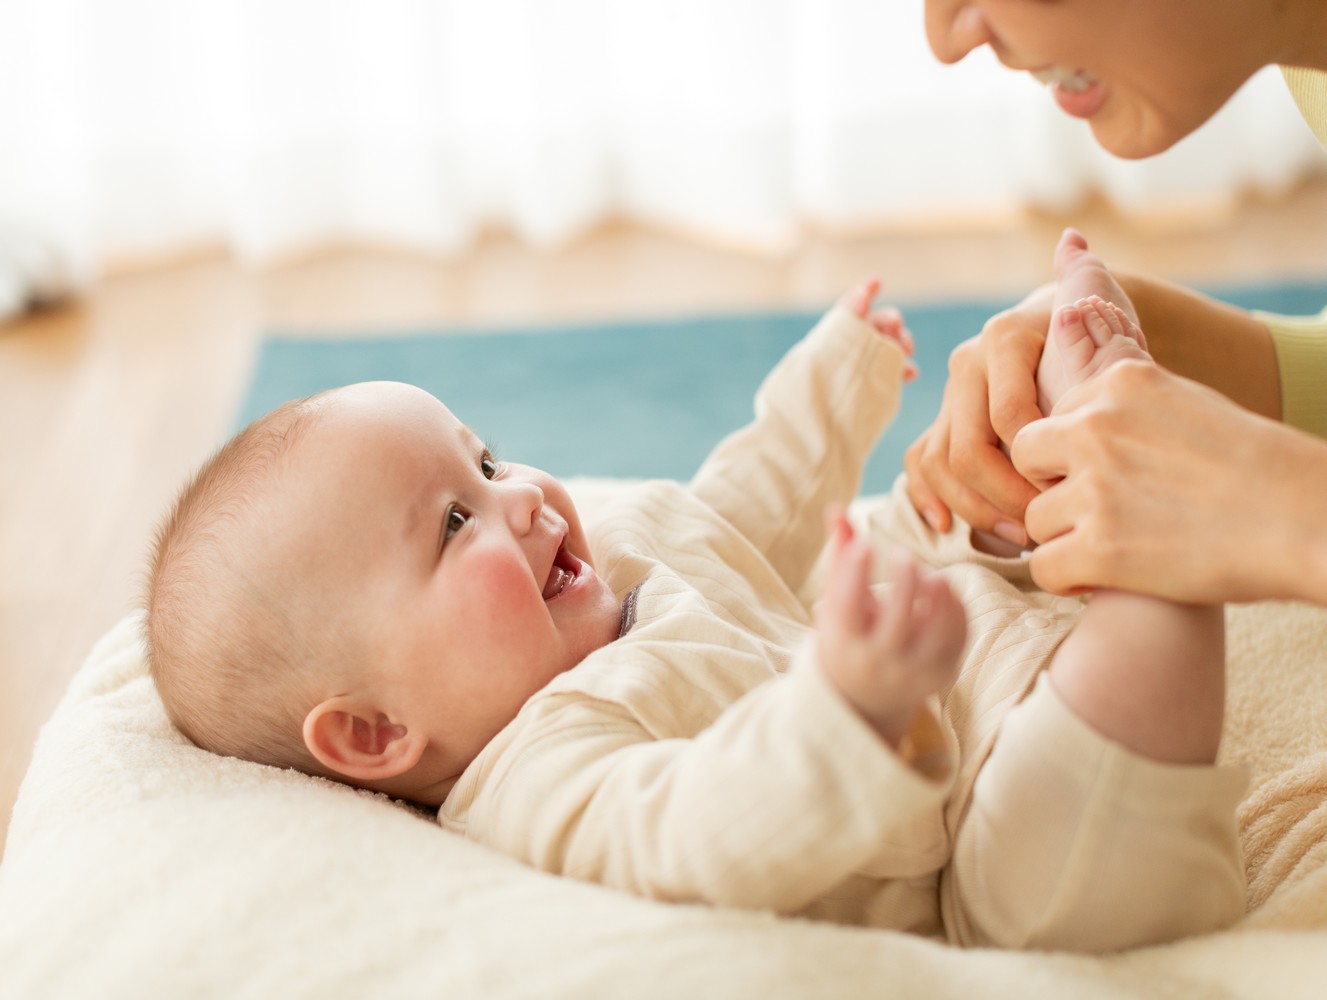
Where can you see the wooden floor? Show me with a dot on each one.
(106, 405)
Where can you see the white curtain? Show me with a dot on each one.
(136, 127)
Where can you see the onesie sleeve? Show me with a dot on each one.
(818, 414)
(783, 797)
(1301, 356)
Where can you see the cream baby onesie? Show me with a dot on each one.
(703, 757)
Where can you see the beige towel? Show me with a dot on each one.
(1277, 724)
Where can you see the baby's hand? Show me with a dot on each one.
(886, 657)
(887, 320)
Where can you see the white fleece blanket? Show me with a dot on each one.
(140, 866)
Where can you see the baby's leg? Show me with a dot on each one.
(1080, 275)
(1098, 822)
(1072, 843)
(1146, 673)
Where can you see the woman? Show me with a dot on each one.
(1196, 481)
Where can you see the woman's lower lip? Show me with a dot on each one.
(1080, 103)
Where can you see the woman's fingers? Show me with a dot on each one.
(1011, 387)
(1039, 452)
(1059, 566)
(927, 500)
(979, 483)
(991, 394)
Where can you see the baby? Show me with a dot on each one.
(357, 587)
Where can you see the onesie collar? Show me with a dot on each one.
(628, 611)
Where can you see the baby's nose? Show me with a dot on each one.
(524, 502)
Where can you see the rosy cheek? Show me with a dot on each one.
(495, 583)
(498, 597)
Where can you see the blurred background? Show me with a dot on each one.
(138, 128)
(179, 177)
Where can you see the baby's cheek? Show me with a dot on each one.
(502, 599)
(500, 580)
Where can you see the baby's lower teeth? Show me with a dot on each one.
(560, 584)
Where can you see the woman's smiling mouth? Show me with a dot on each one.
(1074, 80)
(1077, 91)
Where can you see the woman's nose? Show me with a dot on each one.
(954, 28)
(524, 502)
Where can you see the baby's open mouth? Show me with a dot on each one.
(565, 569)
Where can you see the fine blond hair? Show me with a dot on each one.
(228, 653)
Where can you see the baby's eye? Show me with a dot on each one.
(455, 521)
(488, 465)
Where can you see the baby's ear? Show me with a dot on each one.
(359, 742)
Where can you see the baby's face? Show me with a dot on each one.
(467, 579)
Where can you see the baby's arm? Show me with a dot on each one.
(818, 414)
(784, 796)
(886, 657)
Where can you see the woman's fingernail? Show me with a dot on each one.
(1010, 532)
(932, 517)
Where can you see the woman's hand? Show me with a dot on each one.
(1169, 488)
(960, 464)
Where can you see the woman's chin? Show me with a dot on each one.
(1135, 133)
(1133, 143)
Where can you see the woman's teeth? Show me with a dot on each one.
(1076, 81)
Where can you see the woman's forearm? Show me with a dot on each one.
(1211, 342)
(1286, 532)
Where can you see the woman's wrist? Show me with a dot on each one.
(1294, 519)
(1313, 521)
(1212, 342)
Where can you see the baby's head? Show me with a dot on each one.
(354, 586)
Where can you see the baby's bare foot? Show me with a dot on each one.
(1090, 335)
(1079, 273)
(1081, 277)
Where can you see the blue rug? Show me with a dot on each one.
(631, 399)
